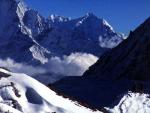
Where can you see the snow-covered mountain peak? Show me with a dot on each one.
(107, 24)
(58, 35)
(87, 19)
(21, 9)
(35, 22)
(130, 60)
(15, 6)
(89, 29)
(91, 19)
(19, 26)
(20, 17)
(90, 14)
(57, 21)
(56, 18)
(11, 15)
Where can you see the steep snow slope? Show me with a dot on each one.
(132, 103)
(23, 93)
(20, 93)
(116, 96)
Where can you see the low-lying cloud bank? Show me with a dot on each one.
(20, 67)
(75, 64)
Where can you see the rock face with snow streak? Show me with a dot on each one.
(35, 22)
(11, 14)
(129, 60)
(16, 37)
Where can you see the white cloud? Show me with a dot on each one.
(20, 67)
(74, 64)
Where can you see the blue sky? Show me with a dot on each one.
(123, 15)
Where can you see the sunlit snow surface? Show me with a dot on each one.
(133, 103)
(34, 97)
(20, 93)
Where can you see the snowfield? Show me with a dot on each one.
(22, 94)
(19, 93)
(133, 103)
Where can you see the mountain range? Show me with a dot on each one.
(129, 60)
(37, 38)
(30, 39)
(123, 69)
(57, 50)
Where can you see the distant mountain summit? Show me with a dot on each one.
(129, 60)
(79, 35)
(124, 68)
(25, 31)
(18, 29)
(11, 15)
(92, 27)
(31, 39)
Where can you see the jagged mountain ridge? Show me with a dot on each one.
(79, 35)
(122, 69)
(34, 40)
(129, 60)
(15, 36)
(52, 36)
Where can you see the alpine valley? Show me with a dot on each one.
(57, 64)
